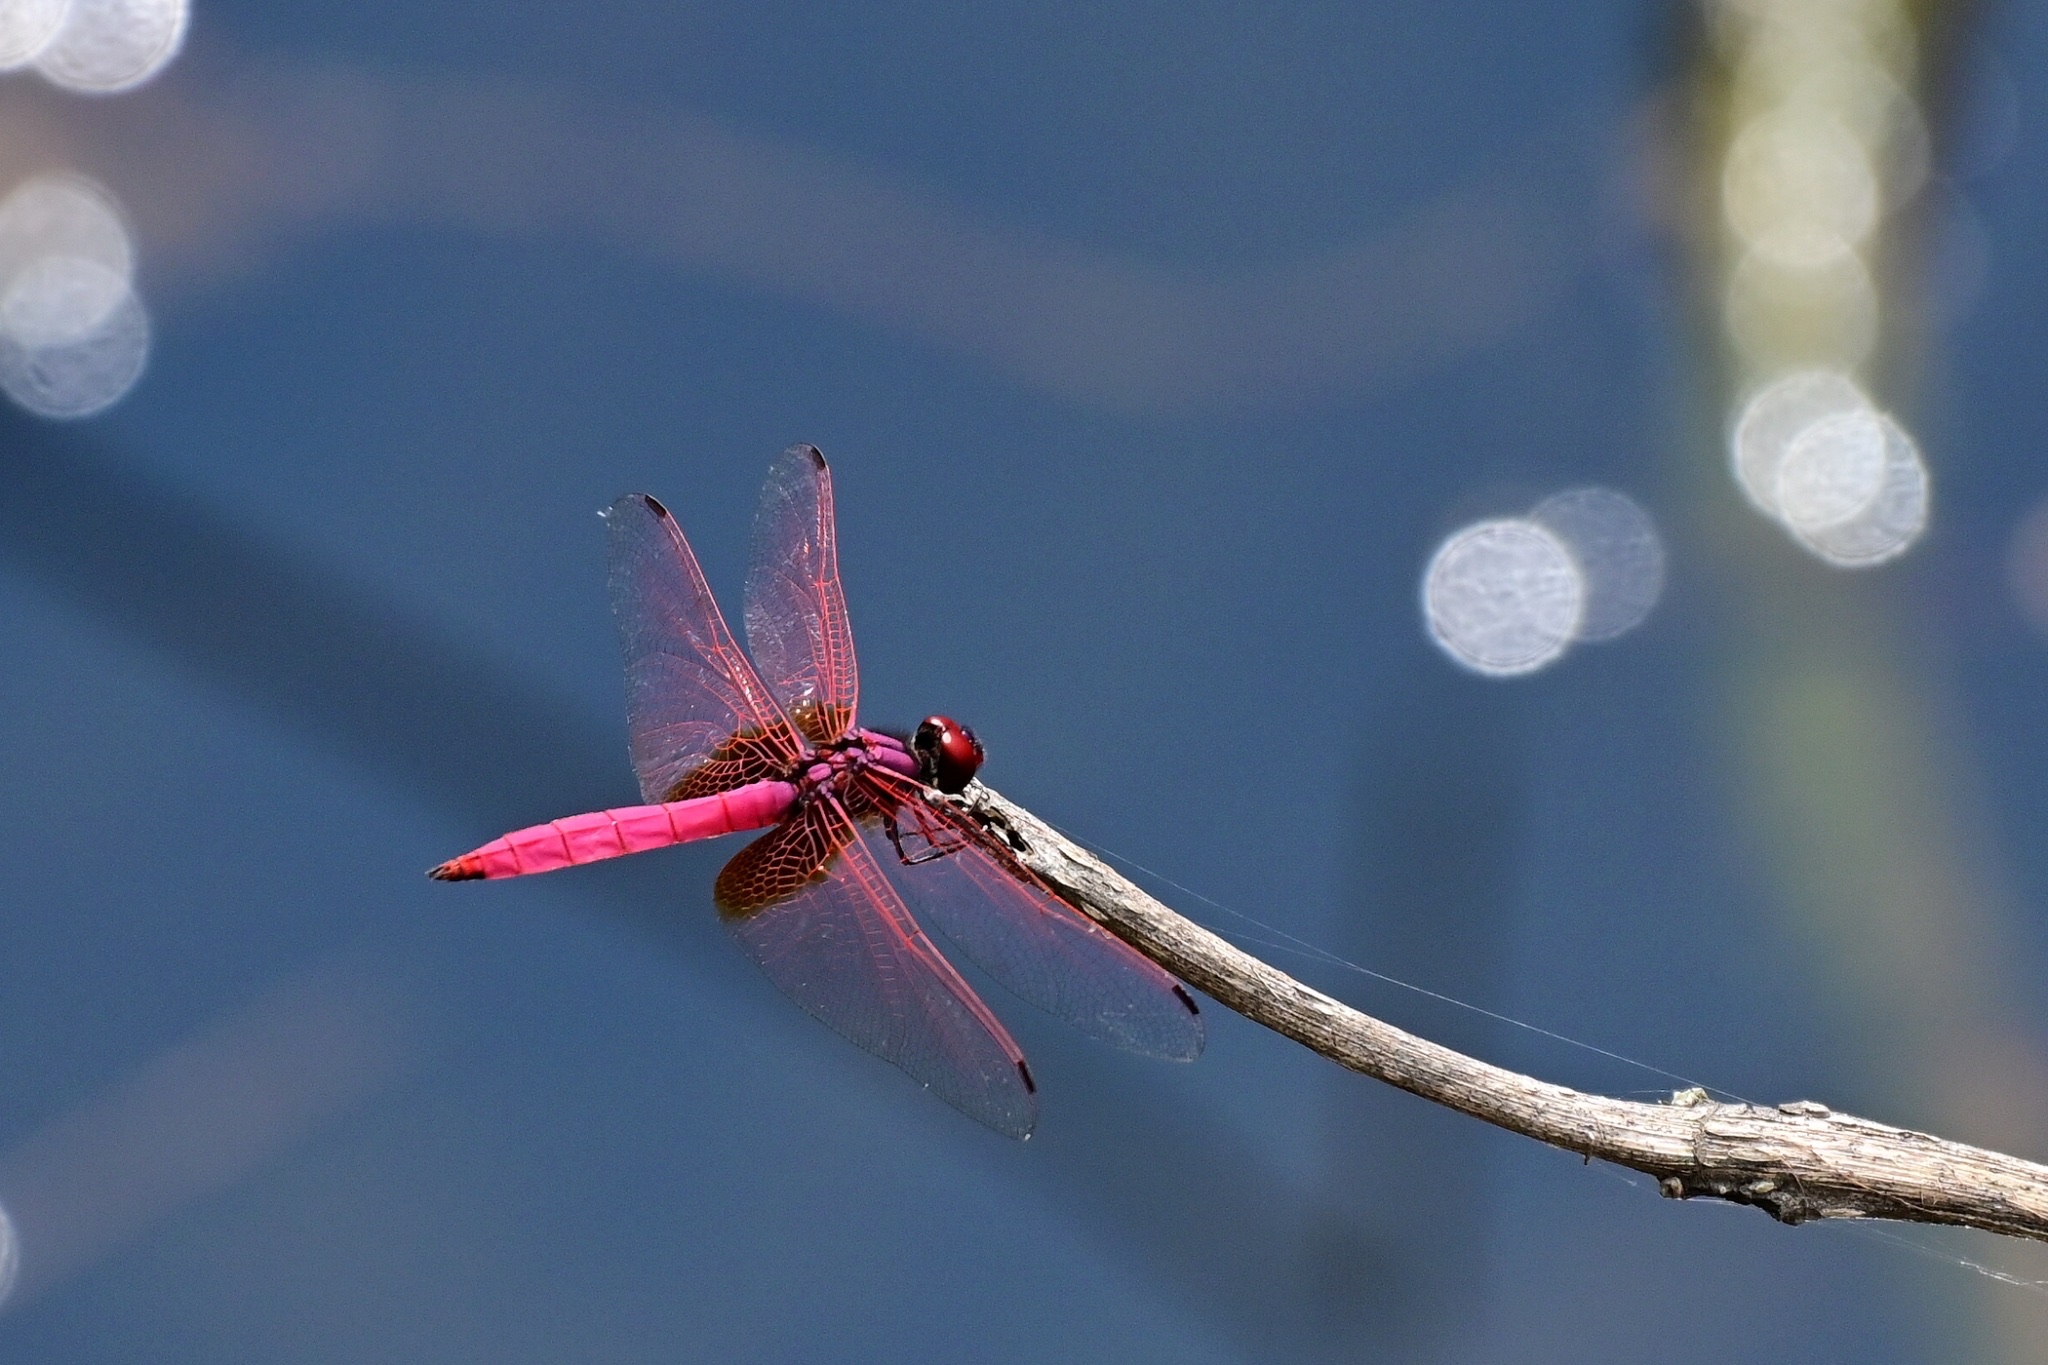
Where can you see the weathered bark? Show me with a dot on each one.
(1797, 1161)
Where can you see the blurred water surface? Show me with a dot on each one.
(1155, 348)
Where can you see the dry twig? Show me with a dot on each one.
(1797, 1161)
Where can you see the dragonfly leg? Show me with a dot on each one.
(933, 848)
(995, 825)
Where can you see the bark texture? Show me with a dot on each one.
(1796, 1161)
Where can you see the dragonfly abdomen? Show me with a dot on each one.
(602, 834)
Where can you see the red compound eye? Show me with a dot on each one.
(947, 752)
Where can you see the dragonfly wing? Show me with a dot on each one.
(808, 903)
(700, 719)
(1017, 930)
(796, 611)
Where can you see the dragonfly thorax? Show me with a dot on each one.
(858, 750)
(724, 745)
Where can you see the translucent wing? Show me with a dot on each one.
(808, 903)
(796, 612)
(1017, 930)
(699, 717)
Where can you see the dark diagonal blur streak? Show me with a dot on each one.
(363, 679)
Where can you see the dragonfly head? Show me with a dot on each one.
(947, 753)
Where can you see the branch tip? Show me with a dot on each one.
(1798, 1161)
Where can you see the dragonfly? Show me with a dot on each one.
(858, 824)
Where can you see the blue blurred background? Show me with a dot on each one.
(1154, 347)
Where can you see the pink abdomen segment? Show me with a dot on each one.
(629, 829)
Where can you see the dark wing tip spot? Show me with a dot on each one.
(817, 455)
(1030, 1086)
(1186, 999)
(655, 503)
(453, 871)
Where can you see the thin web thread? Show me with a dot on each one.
(1949, 1257)
(1289, 943)
(1875, 1233)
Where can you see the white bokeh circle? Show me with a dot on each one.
(1503, 597)
(73, 335)
(1619, 554)
(83, 376)
(10, 1255)
(1832, 471)
(26, 28)
(1894, 517)
(62, 215)
(107, 46)
(1773, 418)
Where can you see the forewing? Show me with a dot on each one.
(839, 942)
(699, 717)
(796, 612)
(1018, 931)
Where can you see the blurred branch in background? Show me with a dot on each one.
(215, 171)
(1797, 176)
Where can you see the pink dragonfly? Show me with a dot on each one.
(720, 747)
